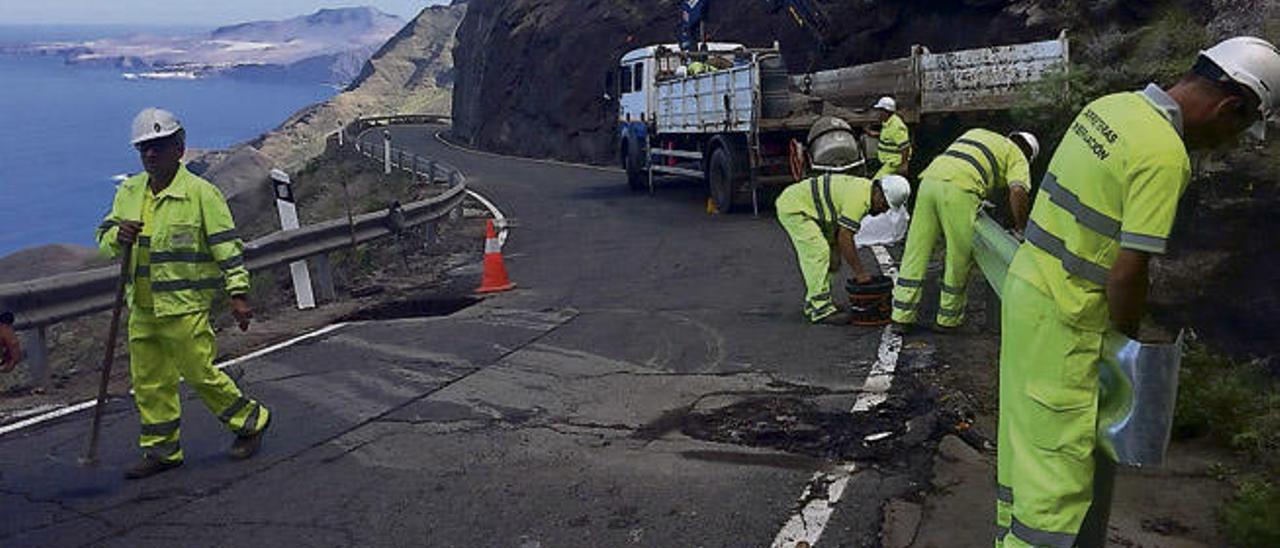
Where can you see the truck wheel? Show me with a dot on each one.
(633, 163)
(723, 179)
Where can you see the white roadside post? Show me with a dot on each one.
(386, 152)
(339, 134)
(289, 221)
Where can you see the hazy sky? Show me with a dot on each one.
(196, 13)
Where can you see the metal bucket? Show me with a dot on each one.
(1139, 387)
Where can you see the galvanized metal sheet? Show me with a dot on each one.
(986, 78)
(723, 100)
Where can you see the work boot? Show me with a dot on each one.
(837, 318)
(247, 446)
(150, 466)
(901, 329)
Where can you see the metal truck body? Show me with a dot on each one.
(733, 127)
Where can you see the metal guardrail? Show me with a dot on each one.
(39, 303)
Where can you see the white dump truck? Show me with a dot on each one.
(727, 114)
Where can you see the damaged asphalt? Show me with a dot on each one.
(650, 383)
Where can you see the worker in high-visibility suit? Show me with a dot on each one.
(1108, 204)
(185, 250)
(951, 190)
(893, 149)
(822, 213)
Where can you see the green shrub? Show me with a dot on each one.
(1252, 516)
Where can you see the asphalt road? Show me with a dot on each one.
(650, 383)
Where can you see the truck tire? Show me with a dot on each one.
(724, 178)
(633, 163)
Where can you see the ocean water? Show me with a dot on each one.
(64, 131)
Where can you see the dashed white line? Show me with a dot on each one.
(808, 522)
(75, 408)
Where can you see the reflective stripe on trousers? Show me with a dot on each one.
(947, 211)
(813, 253)
(162, 349)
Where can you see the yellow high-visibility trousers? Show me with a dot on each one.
(946, 210)
(163, 349)
(814, 253)
(1048, 415)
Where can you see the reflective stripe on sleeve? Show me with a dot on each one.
(1072, 263)
(222, 237)
(1091, 218)
(179, 285)
(231, 263)
(1142, 242)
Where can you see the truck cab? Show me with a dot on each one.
(635, 85)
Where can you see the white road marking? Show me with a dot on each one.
(75, 408)
(807, 523)
(875, 390)
(455, 146)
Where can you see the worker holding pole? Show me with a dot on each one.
(185, 251)
(893, 148)
(951, 190)
(822, 213)
(1108, 204)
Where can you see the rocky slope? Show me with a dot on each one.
(327, 46)
(411, 73)
(531, 72)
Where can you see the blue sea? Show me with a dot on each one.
(64, 130)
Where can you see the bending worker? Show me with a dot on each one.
(951, 190)
(894, 142)
(186, 250)
(1112, 192)
(822, 213)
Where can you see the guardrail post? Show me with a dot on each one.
(431, 171)
(428, 235)
(323, 279)
(386, 152)
(339, 134)
(35, 347)
(288, 210)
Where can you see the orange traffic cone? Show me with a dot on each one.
(495, 273)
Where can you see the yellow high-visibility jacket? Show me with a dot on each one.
(192, 249)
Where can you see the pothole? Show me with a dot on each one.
(799, 425)
(412, 308)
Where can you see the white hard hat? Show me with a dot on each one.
(1255, 64)
(896, 190)
(154, 123)
(1031, 142)
(887, 103)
